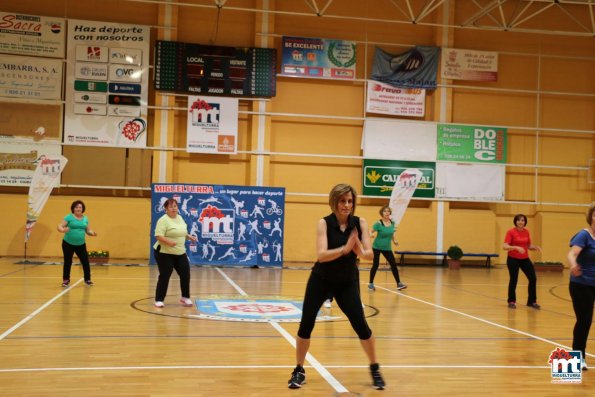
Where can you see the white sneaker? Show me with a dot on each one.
(584, 365)
(159, 304)
(186, 302)
(327, 304)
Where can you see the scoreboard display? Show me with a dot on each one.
(213, 70)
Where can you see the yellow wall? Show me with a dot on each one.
(122, 225)
(525, 68)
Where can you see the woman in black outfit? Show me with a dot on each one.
(340, 238)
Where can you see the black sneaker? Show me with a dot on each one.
(89, 283)
(298, 378)
(377, 381)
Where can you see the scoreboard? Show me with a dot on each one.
(214, 70)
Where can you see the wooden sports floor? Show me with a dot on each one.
(449, 334)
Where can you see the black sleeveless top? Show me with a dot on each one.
(343, 268)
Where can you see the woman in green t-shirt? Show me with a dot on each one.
(75, 227)
(385, 234)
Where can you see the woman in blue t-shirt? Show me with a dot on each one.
(75, 227)
(581, 259)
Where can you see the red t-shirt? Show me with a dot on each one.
(519, 239)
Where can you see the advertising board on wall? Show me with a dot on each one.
(32, 35)
(318, 58)
(30, 77)
(212, 125)
(379, 177)
(235, 225)
(107, 84)
(386, 99)
(471, 65)
(478, 144)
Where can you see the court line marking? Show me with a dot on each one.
(39, 310)
(326, 375)
(481, 320)
(177, 367)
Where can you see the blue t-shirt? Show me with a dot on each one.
(586, 258)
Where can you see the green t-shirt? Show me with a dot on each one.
(174, 229)
(78, 227)
(384, 236)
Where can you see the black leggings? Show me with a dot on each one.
(583, 297)
(388, 255)
(81, 252)
(347, 296)
(513, 269)
(166, 264)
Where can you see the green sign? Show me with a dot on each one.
(380, 177)
(473, 144)
(93, 86)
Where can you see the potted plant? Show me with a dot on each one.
(454, 253)
(99, 256)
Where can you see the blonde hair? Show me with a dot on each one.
(337, 192)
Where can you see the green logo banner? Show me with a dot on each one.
(470, 143)
(380, 177)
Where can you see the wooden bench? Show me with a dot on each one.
(488, 262)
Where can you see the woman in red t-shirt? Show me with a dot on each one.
(518, 243)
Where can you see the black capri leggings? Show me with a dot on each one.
(388, 255)
(81, 251)
(166, 264)
(583, 297)
(348, 298)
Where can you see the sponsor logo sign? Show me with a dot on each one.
(123, 88)
(474, 144)
(472, 65)
(91, 53)
(318, 58)
(90, 71)
(380, 177)
(386, 99)
(34, 35)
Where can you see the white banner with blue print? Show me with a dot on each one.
(235, 225)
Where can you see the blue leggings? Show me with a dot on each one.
(346, 294)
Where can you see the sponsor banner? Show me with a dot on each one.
(28, 77)
(19, 160)
(470, 143)
(212, 125)
(235, 225)
(213, 70)
(416, 68)
(386, 99)
(46, 177)
(318, 58)
(469, 65)
(107, 55)
(380, 176)
(34, 35)
(403, 190)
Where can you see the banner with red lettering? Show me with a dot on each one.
(386, 99)
(45, 178)
(235, 225)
